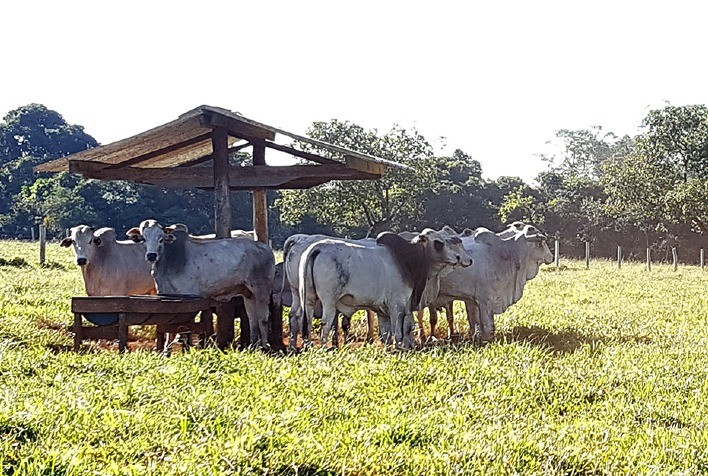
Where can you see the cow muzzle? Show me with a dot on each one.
(81, 261)
(151, 257)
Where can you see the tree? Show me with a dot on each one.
(369, 206)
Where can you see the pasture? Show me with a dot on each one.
(592, 372)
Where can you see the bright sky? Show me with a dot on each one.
(496, 79)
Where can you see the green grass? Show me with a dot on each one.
(593, 372)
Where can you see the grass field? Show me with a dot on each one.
(593, 372)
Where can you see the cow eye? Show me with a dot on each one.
(439, 245)
(97, 241)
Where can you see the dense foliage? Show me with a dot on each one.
(645, 191)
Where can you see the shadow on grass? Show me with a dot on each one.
(560, 342)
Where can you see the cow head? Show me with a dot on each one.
(443, 248)
(81, 239)
(154, 235)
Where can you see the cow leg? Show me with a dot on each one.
(450, 315)
(241, 312)
(346, 327)
(335, 331)
(486, 323)
(421, 329)
(407, 324)
(433, 320)
(257, 310)
(384, 328)
(329, 319)
(472, 317)
(369, 326)
(296, 319)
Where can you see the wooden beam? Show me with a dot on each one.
(364, 165)
(260, 206)
(207, 158)
(240, 178)
(222, 193)
(235, 127)
(300, 153)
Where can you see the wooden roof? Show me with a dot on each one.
(176, 155)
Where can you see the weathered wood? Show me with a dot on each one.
(138, 304)
(236, 127)
(648, 259)
(619, 256)
(260, 215)
(587, 255)
(240, 178)
(222, 193)
(301, 154)
(78, 331)
(364, 165)
(145, 158)
(32, 232)
(557, 253)
(42, 243)
(208, 157)
(674, 255)
(122, 332)
(702, 259)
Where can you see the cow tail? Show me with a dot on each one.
(307, 283)
(286, 249)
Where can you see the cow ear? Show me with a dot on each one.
(438, 245)
(135, 231)
(66, 242)
(422, 238)
(169, 229)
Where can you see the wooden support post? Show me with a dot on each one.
(260, 215)
(619, 256)
(78, 331)
(222, 194)
(122, 332)
(557, 253)
(674, 254)
(587, 255)
(648, 259)
(42, 243)
(702, 260)
(32, 232)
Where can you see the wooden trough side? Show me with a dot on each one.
(114, 314)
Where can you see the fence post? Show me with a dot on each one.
(557, 253)
(648, 259)
(32, 231)
(68, 232)
(675, 256)
(42, 243)
(619, 256)
(587, 255)
(702, 261)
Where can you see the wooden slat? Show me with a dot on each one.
(208, 157)
(300, 153)
(143, 159)
(236, 128)
(147, 304)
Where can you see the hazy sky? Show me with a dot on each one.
(496, 79)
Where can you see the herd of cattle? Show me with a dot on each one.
(393, 275)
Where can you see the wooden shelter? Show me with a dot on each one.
(193, 152)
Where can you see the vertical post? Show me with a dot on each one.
(42, 243)
(619, 256)
(557, 253)
(674, 254)
(587, 255)
(68, 232)
(648, 259)
(222, 202)
(260, 206)
(702, 261)
(32, 231)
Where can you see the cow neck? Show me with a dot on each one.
(412, 261)
(174, 255)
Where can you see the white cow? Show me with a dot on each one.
(246, 235)
(293, 249)
(391, 278)
(503, 265)
(215, 269)
(110, 267)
